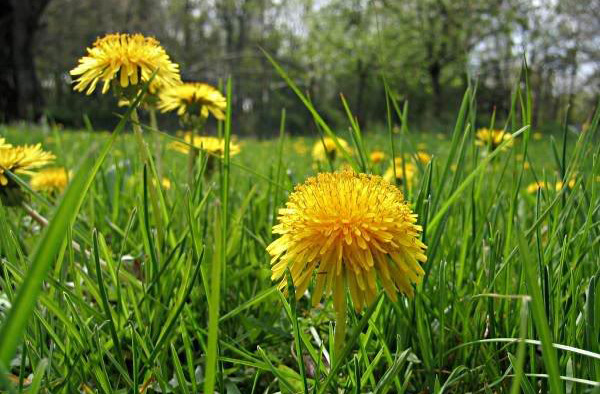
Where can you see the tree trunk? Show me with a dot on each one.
(22, 93)
(435, 70)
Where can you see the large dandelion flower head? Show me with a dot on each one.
(22, 160)
(492, 138)
(191, 98)
(327, 147)
(51, 180)
(128, 60)
(212, 145)
(348, 230)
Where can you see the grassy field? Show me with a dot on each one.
(144, 287)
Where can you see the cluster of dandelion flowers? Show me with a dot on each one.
(558, 186)
(492, 138)
(213, 145)
(128, 60)
(327, 148)
(186, 97)
(348, 230)
(50, 180)
(22, 160)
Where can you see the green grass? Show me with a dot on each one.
(132, 287)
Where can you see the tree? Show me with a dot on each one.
(22, 94)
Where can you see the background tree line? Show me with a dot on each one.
(427, 50)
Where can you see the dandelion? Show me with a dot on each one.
(535, 186)
(125, 60)
(212, 145)
(537, 136)
(22, 160)
(492, 138)
(377, 156)
(51, 180)
(560, 184)
(423, 157)
(404, 172)
(188, 96)
(347, 230)
(4, 144)
(327, 148)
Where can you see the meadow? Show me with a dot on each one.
(151, 272)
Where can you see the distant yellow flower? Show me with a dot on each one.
(537, 136)
(535, 186)
(559, 185)
(165, 183)
(4, 144)
(377, 156)
(22, 159)
(300, 147)
(492, 138)
(348, 229)
(421, 146)
(189, 96)
(408, 169)
(423, 157)
(50, 180)
(126, 59)
(326, 147)
(213, 145)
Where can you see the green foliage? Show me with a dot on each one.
(101, 300)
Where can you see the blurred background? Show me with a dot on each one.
(428, 50)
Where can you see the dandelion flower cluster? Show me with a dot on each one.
(557, 186)
(127, 59)
(327, 147)
(492, 138)
(51, 180)
(22, 160)
(186, 96)
(213, 145)
(348, 229)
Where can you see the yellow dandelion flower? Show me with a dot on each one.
(50, 180)
(126, 59)
(348, 230)
(408, 169)
(4, 144)
(186, 96)
(300, 147)
(423, 157)
(22, 159)
(492, 138)
(535, 186)
(213, 145)
(538, 136)
(326, 147)
(559, 185)
(377, 156)
(166, 183)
